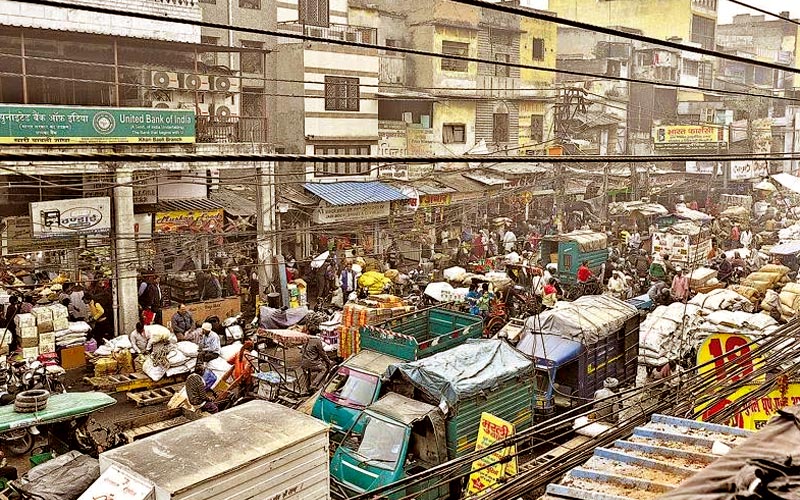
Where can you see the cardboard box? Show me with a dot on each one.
(47, 348)
(60, 324)
(72, 357)
(25, 320)
(59, 311)
(42, 314)
(29, 342)
(30, 352)
(45, 327)
(47, 338)
(5, 337)
(28, 332)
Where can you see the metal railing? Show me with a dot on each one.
(359, 34)
(231, 129)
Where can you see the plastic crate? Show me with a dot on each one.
(41, 458)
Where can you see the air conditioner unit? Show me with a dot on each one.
(225, 84)
(164, 79)
(196, 82)
(164, 105)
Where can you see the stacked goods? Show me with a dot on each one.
(28, 335)
(727, 300)
(747, 292)
(357, 315)
(790, 296)
(767, 277)
(375, 282)
(701, 276)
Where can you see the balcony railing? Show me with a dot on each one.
(231, 129)
(358, 34)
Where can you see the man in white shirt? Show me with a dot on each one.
(509, 240)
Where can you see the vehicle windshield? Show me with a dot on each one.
(380, 444)
(351, 388)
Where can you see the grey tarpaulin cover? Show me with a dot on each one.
(65, 477)
(463, 371)
(587, 319)
(729, 476)
(274, 319)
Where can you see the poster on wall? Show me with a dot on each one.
(70, 218)
(190, 221)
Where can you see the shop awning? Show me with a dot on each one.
(354, 193)
(296, 196)
(237, 201)
(190, 205)
(429, 187)
(486, 179)
(789, 181)
(460, 183)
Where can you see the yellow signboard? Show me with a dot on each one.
(190, 221)
(689, 136)
(491, 430)
(733, 357)
(756, 413)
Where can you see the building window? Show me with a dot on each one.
(250, 4)
(500, 127)
(314, 13)
(691, 68)
(538, 49)
(454, 133)
(342, 168)
(209, 58)
(341, 94)
(252, 62)
(501, 37)
(703, 31)
(392, 42)
(450, 48)
(537, 129)
(499, 69)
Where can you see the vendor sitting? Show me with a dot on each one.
(209, 344)
(139, 339)
(198, 389)
(182, 322)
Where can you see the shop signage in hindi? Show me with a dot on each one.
(53, 125)
(434, 200)
(326, 214)
(748, 169)
(689, 136)
(190, 221)
(145, 188)
(19, 239)
(491, 430)
(69, 218)
(753, 413)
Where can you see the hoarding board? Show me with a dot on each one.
(690, 137)
(70, 218)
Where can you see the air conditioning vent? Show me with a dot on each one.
(165, 80)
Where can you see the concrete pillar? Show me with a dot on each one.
(125, 250)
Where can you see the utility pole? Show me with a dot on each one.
(125, 289)
(265, 224)
(570, 102)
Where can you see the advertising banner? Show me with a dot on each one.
(69, 218)
(492, 429)
(326, 214)
(190, 221)
(35, 125)
(690, 137)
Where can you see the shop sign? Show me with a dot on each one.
(690, 136)
(743, 170)
(22, 124)
(732, 356)
(19, 239)
(700, 167)
(190, 221)
(145, 188)
(326, 214)
(420, 141)
(68, 218)
(752, 414)
(434, 200)
(492, 429)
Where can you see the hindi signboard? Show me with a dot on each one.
(70, 218)
(690, 137)
(54, 125)
(487, 470)
(326, 214)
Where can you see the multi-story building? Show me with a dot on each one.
(91, 82)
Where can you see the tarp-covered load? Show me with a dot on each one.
(463, 371)
(644, 208)
(587, 320)
(588, 241)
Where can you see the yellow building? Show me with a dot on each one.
(537, 47)
(689, 20)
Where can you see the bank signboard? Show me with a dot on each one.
(690, 137)
(54, 125)
(70, 218)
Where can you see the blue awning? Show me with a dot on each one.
(355, 193)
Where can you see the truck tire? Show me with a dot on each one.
(31, 401)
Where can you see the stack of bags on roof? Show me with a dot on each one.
(768, 277)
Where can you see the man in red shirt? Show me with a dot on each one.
(584, 273)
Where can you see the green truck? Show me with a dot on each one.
(570, 250)
(432, 416)
(358, 382)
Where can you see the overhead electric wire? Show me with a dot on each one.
(405, 50)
